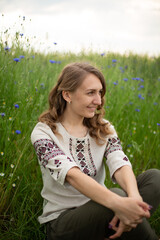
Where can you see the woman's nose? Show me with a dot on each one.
(97, 99)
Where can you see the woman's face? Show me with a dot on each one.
(86, 99)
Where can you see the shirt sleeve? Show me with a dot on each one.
(51, 157)
(114, 155)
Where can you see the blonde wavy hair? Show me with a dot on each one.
(70, 79)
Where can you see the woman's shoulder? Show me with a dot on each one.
(41, 131)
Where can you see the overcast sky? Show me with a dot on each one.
(100, 25)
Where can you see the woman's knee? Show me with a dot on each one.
(119, 192)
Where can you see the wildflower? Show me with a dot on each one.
(115, 83)
(16, 105)
(18, 131)
(155, 103)
(21, 56)
(102, 54)
(131, 155)
(2, 153)
(16, 59)
(154, 132)
(140, 96)
(158, 124)
(7, 49)
(142, 80)
(2, 174)
(55, 43)
(3, 114)
(137, 78)
(24, 18)
(141, 86)
(12, 165)
(52, 61)
(125, 79)
(10, 118)
(13, 185)
(42, 85)
(137, 110)
(131, 103)
(129, 145)
(114, 60)
(21, 34)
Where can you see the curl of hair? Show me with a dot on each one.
(70, 79)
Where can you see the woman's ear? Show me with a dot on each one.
(66, 96)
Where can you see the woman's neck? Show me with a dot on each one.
(74, 125)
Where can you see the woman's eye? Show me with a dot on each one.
(90, 93)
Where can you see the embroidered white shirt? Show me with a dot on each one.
(56, 155)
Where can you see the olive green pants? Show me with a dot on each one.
(90, 221)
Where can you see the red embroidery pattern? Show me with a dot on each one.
(82, 156)
(47, 149)
(113, 144)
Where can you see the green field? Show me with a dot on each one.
(132, 105)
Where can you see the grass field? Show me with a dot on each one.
(132, 105)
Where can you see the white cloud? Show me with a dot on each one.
(110, 25)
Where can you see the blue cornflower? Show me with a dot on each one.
(3, 114)
(16, 105)
(21, 56)
(158, 124)
(42, 85)
(115, 83)
(133, 78)
(137, 78)
(137, 110)
(16, 59)
(140, 96)
(131, 103)
(55, 43)
(155, 103)
(18, 131)
(129, 145)
(114, 60)
(7, 49)
(141, 86)
(125, 79)
(142, 80)
(52, 61)
(102, 54)
(21, 34)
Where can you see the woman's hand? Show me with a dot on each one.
(118, 227)
(131, 211)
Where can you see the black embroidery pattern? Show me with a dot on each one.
(113, 144)
(82, 156)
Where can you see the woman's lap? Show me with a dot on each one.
(90, 221)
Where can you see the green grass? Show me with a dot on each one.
(27, 84)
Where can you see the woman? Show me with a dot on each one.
(71, 140)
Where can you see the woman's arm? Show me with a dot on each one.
(126, 179)
(129, 210)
